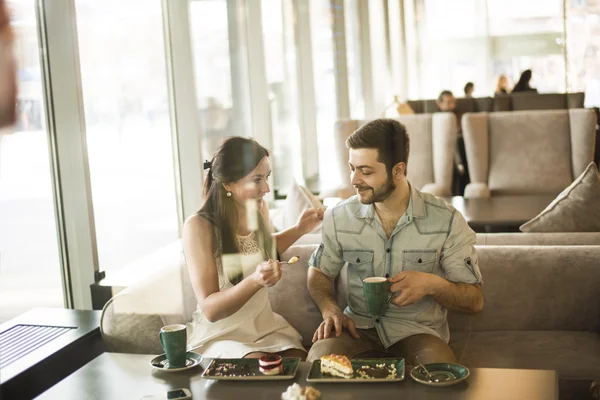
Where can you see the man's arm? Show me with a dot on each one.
(460, 289)
(455, 296)
(320, 287)
(459, 297)
(325, 264)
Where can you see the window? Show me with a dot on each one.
(583, 49)
(124, 83)
(280, 61)
(528, 35)
(325, 91)
(29, 260)
(353, 43)
(220, 70)
(471, 40)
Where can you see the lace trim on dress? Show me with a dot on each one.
(247, 244)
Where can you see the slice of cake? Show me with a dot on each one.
(270, 364)
(337, 365)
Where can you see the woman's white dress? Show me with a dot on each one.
(254, 327)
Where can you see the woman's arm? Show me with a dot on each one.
(307, 222)
(198, 246)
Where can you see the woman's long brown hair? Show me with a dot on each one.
(233, 160)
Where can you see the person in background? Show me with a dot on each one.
(447, 103)
(469, 88)
(501, 86)
(8, 70)
(523, 84)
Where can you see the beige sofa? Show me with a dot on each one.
(527, 152)
(432, 143)
(542, 309)
(512, 102)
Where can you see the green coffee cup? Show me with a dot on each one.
(377, 295)
(173, 339)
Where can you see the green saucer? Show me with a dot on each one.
(161, 363)
(445, 374)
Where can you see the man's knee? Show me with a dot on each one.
(429, 349)
(344, 345)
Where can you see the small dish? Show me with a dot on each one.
(248, 369)
(446, 374)
(162, 364)
(367, 364)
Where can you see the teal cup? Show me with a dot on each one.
(173, 339)
(377, 295)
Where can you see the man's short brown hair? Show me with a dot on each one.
(388, 137)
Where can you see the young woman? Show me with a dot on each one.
(231, 258)
(523, 84)
(501, 86)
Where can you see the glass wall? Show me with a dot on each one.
(353, 43)
(124, 80)
(220, 65)
(30, 273)
(583, 49)
(321, 21)
(282, 79)
(477, 41)
(528, 35)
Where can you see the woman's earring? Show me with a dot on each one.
(228, 194)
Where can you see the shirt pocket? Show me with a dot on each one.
(422, 260)
(360, 266)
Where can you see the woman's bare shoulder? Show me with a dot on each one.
(198, 225)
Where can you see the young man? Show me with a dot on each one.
(446, 101)
(391, 229)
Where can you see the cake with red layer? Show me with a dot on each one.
(270, 364)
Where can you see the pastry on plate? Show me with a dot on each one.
(337, 365)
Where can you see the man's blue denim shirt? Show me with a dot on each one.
(430, 237)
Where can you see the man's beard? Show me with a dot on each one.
(379, 195)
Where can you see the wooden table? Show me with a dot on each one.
(129, 376)
(43, 346)
(500, 213)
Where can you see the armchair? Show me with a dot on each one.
(527, 152)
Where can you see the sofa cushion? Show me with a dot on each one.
(572, 354)
(539, 239)
(290, 298)
(535, 101)
(130, 332)
(297, 201)
(574, 210)
(527, 152)
(538, 288)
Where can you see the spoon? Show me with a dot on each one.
(292, 260)
(427, 372)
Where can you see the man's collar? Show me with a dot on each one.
(416, 207)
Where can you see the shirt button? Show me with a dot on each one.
(358, 260)
(419, 261)
(377, 320)
(388, 250)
